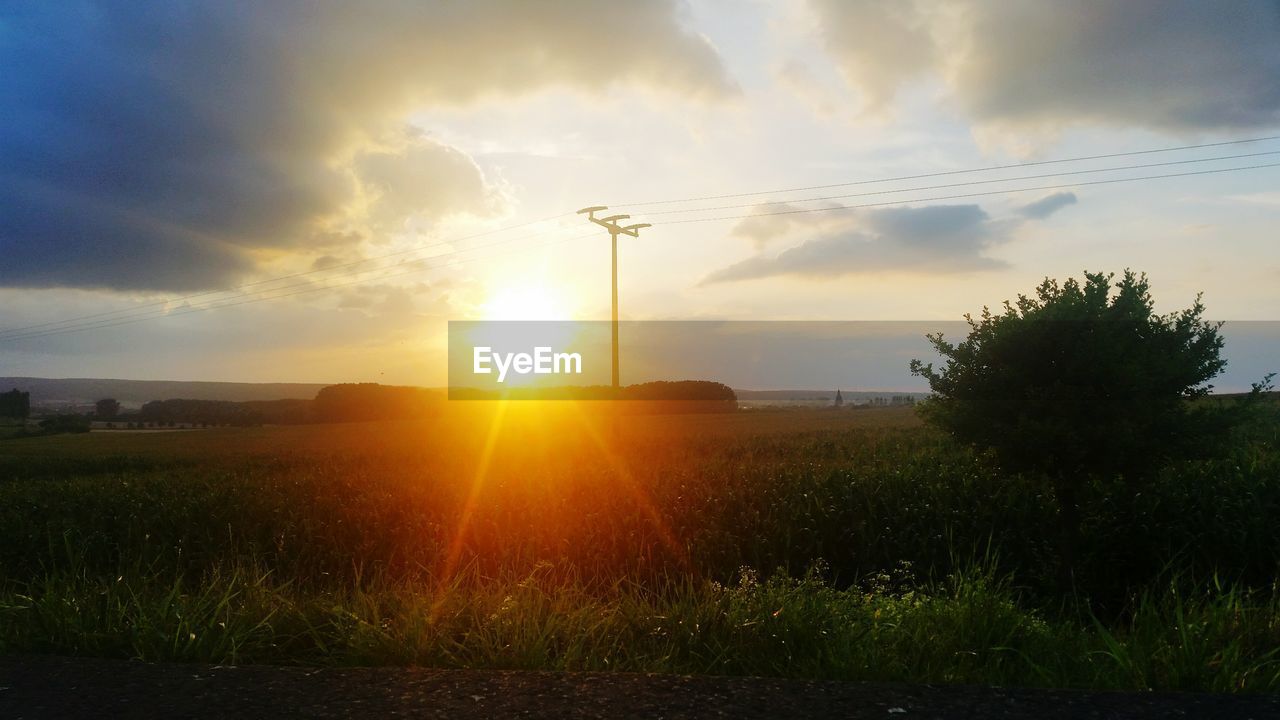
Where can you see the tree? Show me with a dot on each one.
(1082, 381)
(64, 424)
(15, 404)
(106, 408)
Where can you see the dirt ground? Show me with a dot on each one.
(51, 687)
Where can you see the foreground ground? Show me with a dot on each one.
(849, 545)
(38, 687)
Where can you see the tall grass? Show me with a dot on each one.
(971, 628)
(792, 544)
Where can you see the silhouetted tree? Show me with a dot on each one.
(15, 404)
(351, 402)
(1080, 381)
(64, 424)
(168, 412)
(106, 408)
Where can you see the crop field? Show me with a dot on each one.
(850, 544)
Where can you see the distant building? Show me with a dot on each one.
(839, 398)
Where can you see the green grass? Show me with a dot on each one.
(970, 629)
(804, 544)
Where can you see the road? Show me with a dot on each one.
(69, 688)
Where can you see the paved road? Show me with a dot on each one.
(45, 687)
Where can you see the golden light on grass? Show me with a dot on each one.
(458, 541)
(611, 454)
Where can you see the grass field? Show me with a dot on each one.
(850, 544)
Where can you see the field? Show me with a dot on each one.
(853, 544)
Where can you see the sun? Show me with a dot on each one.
(526, 302)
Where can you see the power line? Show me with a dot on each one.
(967, 183)
(129, 315)
(949, 172)
(222, 304)
(969, 195)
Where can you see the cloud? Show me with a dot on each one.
(1174, 65)
(808, 87)
(932, 239)
(1269, 198)
(421, 177)
(781, 219)
(877, 45)
(164, 147)
(1048, 205)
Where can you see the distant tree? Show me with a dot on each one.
(15, 404)
(106, 408)
(370, 401)
(64, 424)
(166, 413)
(1080, 381)
(685, 396)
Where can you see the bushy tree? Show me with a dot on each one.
(1081, 381)
(64, 424)
(106, 408)
(15, 404)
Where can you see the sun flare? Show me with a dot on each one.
(526, 302)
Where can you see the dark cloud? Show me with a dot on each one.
(1180, 65)
(159, 146)
(1048, 205)
(933, 239)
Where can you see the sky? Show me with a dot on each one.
(346, 178)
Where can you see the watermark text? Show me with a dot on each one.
(542, 361)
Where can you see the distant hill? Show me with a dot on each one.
(65, 392)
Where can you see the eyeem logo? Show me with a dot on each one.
(542, 362)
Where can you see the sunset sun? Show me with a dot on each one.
(526, 302)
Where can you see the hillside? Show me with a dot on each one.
(46, 392)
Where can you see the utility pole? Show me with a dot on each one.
(611, 224)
